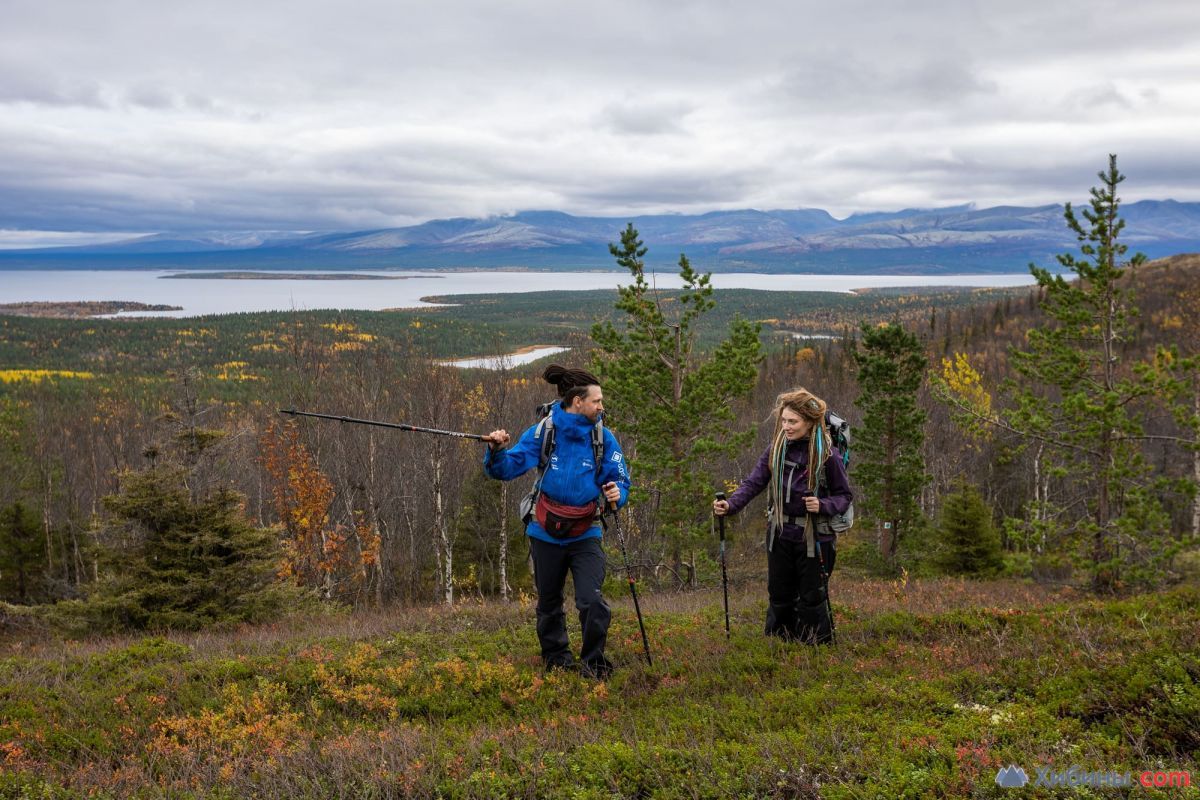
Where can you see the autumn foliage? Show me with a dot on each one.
(334, 558)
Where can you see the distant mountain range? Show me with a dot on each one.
(959, 239)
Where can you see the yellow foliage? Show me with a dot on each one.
(246, 726)
(235, 371)
(1169, 322)
(39, 375)
(966, 384)
(476, 403)
(199, 333)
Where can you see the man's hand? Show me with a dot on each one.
(612, 492)
(498, 440)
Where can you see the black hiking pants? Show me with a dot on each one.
(585, 561)
(796, 591)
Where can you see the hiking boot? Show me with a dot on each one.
(599, 670)
(561, 664)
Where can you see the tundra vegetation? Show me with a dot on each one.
(202, 598)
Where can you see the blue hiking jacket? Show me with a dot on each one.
(571, 474)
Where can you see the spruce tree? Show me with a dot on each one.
(179, 550)
(22, 553)
(187, 562)
(969, 542)
(674, 402)
(889, 470)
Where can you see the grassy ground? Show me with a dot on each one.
(931, 688)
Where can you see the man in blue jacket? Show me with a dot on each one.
(584, 471)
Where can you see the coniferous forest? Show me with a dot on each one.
(204, 597)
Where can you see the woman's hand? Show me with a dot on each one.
(812, 504)
(720, 507)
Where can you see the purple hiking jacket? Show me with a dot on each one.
(835, 499)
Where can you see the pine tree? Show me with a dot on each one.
(1076, 392)
(970, 543)
(672, 401)
(889, 470)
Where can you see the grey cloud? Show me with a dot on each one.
(25, 85)
(848, 85)
(1099, 97)
(152, 97)
(645, 119)
(137, 115)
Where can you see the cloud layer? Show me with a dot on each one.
(133, 115)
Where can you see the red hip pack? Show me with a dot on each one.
(562, 521)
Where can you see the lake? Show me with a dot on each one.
(201, 296)
(525, 356)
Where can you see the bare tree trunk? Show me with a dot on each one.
(79, 568)
(373, 518)
(328, 582)
(1041, 494)
(47, 496)
(505, 589)
(446, 557)
(413, 573)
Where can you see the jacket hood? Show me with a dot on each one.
(575, 426)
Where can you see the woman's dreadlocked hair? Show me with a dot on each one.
(571, 383)
(811, 408)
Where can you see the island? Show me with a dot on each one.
(80, 309)
(293, 276)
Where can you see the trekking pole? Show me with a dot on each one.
(413, 428)
(825, 586)
(629, 575)
(724, 575)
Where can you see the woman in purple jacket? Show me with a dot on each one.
(799, 557)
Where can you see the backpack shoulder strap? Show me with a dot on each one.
(598, 460)
(598, 446)
(545, 433)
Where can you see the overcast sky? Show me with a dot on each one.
(144, 115)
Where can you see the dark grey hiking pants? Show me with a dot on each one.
(796, 590)
(585, 561)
